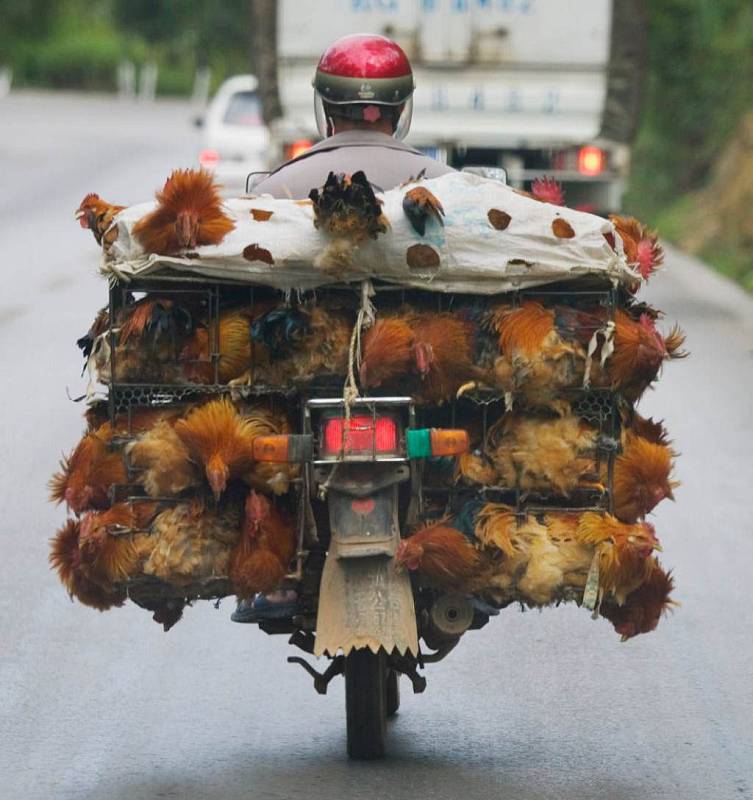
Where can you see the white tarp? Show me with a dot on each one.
(472, 254)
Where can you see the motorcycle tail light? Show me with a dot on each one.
(209, 158)
(361, 435)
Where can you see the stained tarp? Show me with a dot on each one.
(493, 240)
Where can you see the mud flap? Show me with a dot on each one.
(364, 602)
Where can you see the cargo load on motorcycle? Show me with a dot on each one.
(415, 409)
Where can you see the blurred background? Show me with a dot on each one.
(643, 106)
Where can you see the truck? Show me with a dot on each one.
(535, 87)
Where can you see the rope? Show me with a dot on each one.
(364, 320)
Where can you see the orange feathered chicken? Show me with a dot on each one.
(267, 544)
(86, 475)
(642, 477)
(110, 557)
(642, 248)
(386, 352)
(239, 356)
(220, 441)
(643, 607)
(188, 214)
(623, 551)
(98, 216)
(65, 558)
(442, 554)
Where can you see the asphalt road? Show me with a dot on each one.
(535, 706)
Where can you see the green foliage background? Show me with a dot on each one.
(78, 44)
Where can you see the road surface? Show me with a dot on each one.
(537, 705)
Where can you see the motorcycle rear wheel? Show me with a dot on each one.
(366, 703)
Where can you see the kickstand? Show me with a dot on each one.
(408, 667)
(321, 679)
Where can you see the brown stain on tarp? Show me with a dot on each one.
(422, 256)
(499, 219)
(562, 229)
(261, 214)
(256, 253)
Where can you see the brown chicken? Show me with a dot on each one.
(110, 556)
(536, 362)
(623, 551)
(643, 607)
(86, 475)
(188, 215)
(346, 209)
(239, 356)
(642, 477)
(642, 248)
(163, 462)
(304, 343)
(420, 206)
(267, 544)
(65, 558)
(193, 543)
(219, 441)
(435, 349)
(544, 454)
(442, 554)
(386, 351)
(99, 216)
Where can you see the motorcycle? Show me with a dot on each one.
(362, 490)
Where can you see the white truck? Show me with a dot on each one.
(538, 87)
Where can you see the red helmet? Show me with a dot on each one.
(361, 74)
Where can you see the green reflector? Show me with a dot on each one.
(419, 442)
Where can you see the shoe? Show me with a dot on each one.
(280, 605)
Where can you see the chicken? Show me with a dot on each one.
(219, 441)
(268, 476)
(304, 343)
(435, 349)
(86, 475)
(155, 315)
(65, 558)
(642, 477)
(110, 558)
(386, 351)
(346, 209)
(238, 354)
(535, 361)
(623, 551)
(420, 205)
(442, 554)
(548, 190)
(642, 248)
(192, 543)
(163, 462)
(643, 607)
(188, 215)
(99, 327)
(639, 352)
(543, 454)
(99, 216)
(266, 546)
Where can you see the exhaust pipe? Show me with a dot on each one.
(449, 618)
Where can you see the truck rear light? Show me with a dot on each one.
(297, 148)
(425, 442)
(209, 158)
(591, 160)
(361, 435)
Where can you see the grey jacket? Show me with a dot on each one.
(386, 162)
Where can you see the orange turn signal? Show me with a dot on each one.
(283, 448)
(448, 442)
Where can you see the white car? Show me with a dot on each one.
(236, 138)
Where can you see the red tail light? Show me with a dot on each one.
(299, 147)
(363, 436)
(209, 158)
(591, 160)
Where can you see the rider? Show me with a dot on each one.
(363, 98)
